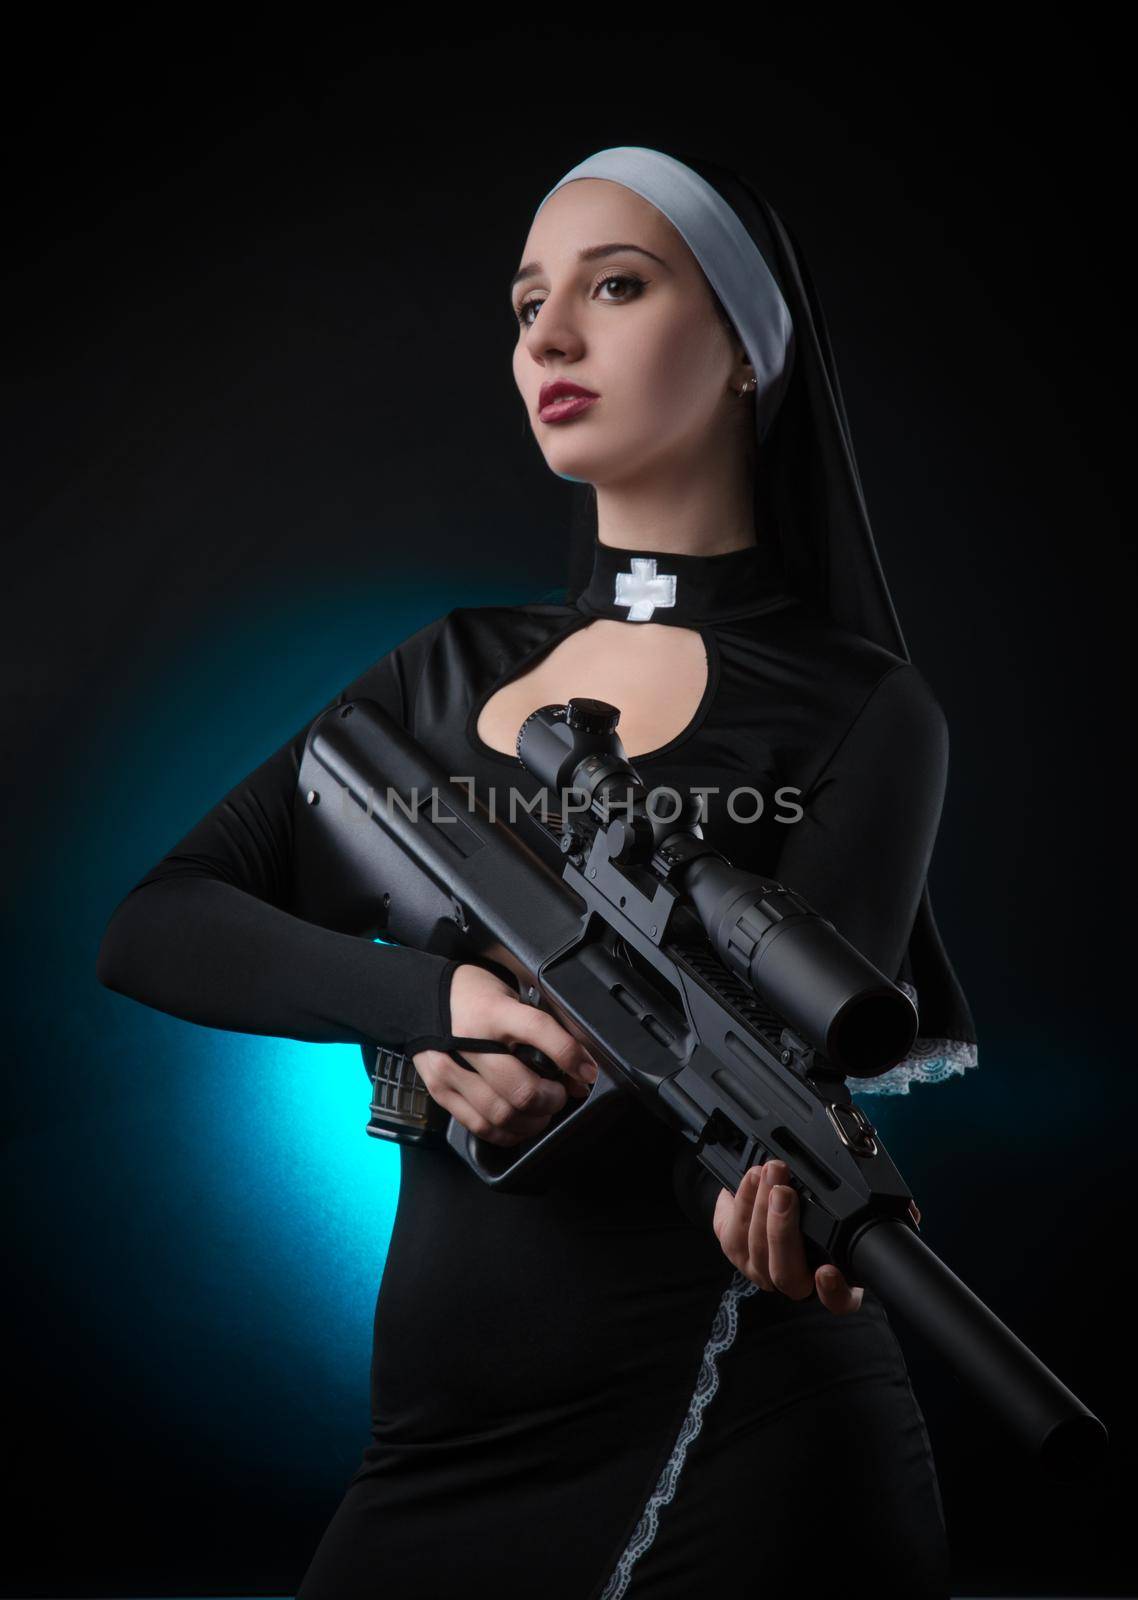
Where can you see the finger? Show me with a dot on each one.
(786, 1248)
(505, 1091)
(485, 1112)
(527, 1025)
(514, 1110)
(758, 1253)
(724, 1201)
(440, 1067)
(835, 1293)
(455, 1105)
(525, 1089)
(735, 1219)
(508, 1076)
(723, 1223)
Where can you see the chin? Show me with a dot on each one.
(569, 459)
(573, 465)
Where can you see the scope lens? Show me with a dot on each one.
(871, 1034)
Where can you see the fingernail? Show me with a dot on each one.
(589, 1071)
(780, 1199)
(830, 1277)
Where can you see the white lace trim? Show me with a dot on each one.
(723, 1330)
(929, 1061)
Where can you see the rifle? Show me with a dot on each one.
(713, 997)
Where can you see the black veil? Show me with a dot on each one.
(810, 511)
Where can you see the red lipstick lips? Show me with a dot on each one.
(560, 400)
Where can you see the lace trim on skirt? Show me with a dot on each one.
(723, 1330)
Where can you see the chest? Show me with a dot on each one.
(658, 676)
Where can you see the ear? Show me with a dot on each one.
(744, 371)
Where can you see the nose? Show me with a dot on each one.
(554, 330)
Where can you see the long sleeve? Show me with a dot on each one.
(860, 853)
(204, 934)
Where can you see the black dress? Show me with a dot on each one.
(575, 1394)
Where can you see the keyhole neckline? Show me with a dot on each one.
(575, 622)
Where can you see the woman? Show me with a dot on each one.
(632, 1384)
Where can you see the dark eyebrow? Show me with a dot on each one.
(593, 253)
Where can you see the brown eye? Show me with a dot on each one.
(628, 279)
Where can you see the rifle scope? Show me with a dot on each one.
(793, 958)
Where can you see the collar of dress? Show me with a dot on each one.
(684, 590)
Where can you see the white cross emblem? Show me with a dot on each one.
(642, 590)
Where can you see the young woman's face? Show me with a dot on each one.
(637, 327)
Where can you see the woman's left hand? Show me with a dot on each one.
(758, 1231)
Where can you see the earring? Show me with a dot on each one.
(748, 385)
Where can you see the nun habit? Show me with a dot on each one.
(704, 1438)
(574, 1394)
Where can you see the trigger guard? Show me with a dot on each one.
(527, 1168)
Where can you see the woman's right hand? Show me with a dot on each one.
(502, 1101)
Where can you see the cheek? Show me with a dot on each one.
(674, 371)
(697, 355)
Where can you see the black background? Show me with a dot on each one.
(256, 280)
